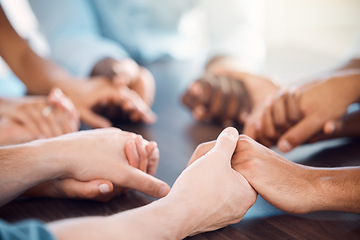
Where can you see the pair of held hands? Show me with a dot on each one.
(236, 165)
(272, 115)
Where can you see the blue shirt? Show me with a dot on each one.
(24, 230)
(80, 33)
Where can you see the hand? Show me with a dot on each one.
(227, 95)
(218, 98)
(280, 112)
(213, 192)
(84, 159)
(347, 126)
(86, 95)
(41, 117)
(140, 154)
(127, 72)
(326, 99)
(286, 185)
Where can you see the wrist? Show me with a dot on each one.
(165, 218)
(179, 217)
(45, 155)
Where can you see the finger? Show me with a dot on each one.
(278, 110)
(225, 144)
(195, 94)
(142, 153)
(146, 183)
(135, 117)
(131, 153)
(331, 127)
(153, 156)
(234, 107)
(57, 98)
(63, 120)
(294, 113)
(54, 125)
(40, 121)
(137, 104)
(200, 113)
(268, 127)
(299, 133)
(260, 133)
(94, 119)
(87, 190)
(250, 129)
(200, 151)
(217, 100)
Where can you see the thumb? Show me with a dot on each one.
(94, 120)
(201, 150)
(146, 183)
(226, 143)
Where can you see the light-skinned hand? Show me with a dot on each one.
(99, 91)
(211, 189)
(108, 154)
(139, 153)
(40, 117)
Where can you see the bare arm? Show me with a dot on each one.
(24, 166)
(192, 206)
(293, 187)
(21, 168)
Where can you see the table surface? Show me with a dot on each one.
(177, 135)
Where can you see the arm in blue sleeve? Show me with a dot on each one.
(74, 35)
(25, 230)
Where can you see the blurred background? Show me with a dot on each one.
(303, 37)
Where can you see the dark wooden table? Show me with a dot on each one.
(178, 135)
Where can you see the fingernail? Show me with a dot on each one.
(154, 154)
(232, 132)
(104, 188)
(331, 128)
(164, 190)
(284, 146)
(58, 93)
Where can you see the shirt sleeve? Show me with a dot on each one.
(74, 35)
(236, 28)
(25, 230)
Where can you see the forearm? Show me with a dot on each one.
(338, 189)
(22, 167)
(353, 63)
(158, 220)
(40, 75)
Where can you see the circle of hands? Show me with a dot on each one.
(236, 165)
